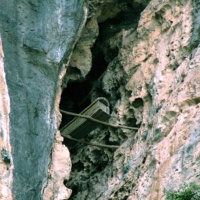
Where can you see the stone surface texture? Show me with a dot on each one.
(37, 38)
(153, 83)
(59, 172)
(6, 168)
(151, 80)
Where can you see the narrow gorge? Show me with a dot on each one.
(141, 57)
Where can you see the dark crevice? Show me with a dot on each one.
(89, 162)
(77, 95)
(73, 99)
(99, 65)
(78, 166)
(132, 122)
(137, 103)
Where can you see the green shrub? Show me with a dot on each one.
(187, 192)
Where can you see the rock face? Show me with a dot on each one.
(152, 82)
(37, 39)
(143, 56)
(6, 168)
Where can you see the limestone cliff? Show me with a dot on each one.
(142, 56)
(37, 39)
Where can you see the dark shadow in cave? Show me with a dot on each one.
(76, 96)
(71, 99)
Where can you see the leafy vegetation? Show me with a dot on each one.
(187, 192)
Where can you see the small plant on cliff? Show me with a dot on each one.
(5, 155)
(187, 192)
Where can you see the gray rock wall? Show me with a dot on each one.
(38, 37)
(150, 56)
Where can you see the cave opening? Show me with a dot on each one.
(77, 95)
(89, 161)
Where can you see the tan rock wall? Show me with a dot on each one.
(157, 76)
(59, 171)
(6, 165)
(167, 79)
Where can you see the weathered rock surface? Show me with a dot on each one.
(37, 37)
(6, 168)
(143, 56)
(58, 172)
(152, 83)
